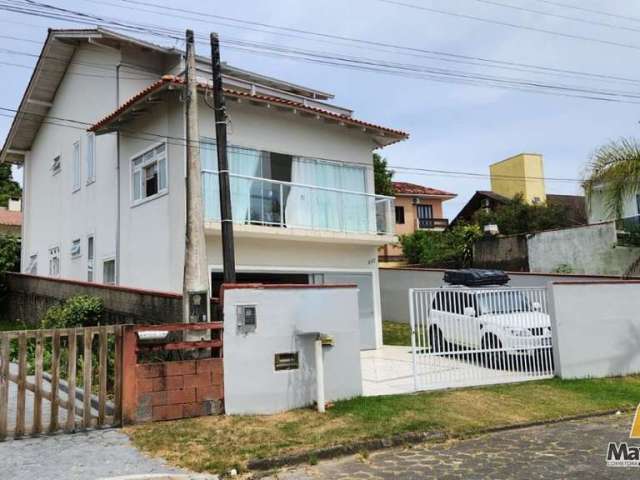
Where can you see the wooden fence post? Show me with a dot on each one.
(129, 387)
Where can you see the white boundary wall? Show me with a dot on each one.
(596, 328)
(396, 282)
(252, 385)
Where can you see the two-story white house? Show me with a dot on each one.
(100, 132)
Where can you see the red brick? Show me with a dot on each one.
(187, 367)
(167, 412)
(159, 398)
(198, 380)
(186, 395)
(212, 392)
(167, 383)
(209, 365)
(145, 385)
(194, 410)
(150, 370)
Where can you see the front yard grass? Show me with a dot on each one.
(216, 444)
(396, 333)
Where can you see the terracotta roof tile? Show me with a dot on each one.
(406, 188)
(10, 217)
(174, 80)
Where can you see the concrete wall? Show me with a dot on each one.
(596, 328)
(29, 297)
(396, 282)
(588, 250)
(502, 253)
(252, 385)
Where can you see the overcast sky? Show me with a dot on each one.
(452, 126)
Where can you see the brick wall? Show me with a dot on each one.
(30, 296)
(180, 389)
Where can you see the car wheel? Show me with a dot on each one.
(436, 340)
(496, 358)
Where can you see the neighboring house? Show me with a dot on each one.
(11, 219)
(104, 196)
(416, 208)
(598, 211)
(522, 174)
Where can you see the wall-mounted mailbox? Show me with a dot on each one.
(286, 361)
(246, 318)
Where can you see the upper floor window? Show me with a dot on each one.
(54, 261)
(76, 166)
(400, 215)
(149, 173)
(56, 165)
(90, 158)
(75, 248)
(109, 271)
(90, 257)
(32, 268)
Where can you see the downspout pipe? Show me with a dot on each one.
(117, 269)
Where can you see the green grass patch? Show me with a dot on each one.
(216, 444)
(395, 333)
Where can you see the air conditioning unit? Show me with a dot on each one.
(415, 200)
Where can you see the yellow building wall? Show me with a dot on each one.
(522, 173)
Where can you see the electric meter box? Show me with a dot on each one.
(198, 311)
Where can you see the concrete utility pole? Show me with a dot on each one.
(196, 306)
(228, 254)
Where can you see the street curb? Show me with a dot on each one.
(410, 438)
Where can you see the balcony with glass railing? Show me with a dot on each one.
(288, 205)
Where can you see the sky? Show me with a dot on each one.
(451, 126)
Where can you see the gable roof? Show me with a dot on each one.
(406, 188)
(129, 108)
(475, 203)
(55, 57)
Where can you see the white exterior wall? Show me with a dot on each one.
(252, 385)
(53, 214)
(597, 211)
(595, 328)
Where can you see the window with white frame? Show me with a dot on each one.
(32, 268)
(109, 271)
(54, 261)
(149, 173)
(56, 165)
(76, 166)
(90, 257)
(75, 248)
(90, 158)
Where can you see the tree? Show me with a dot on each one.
(615, 169)
(9, 188)
(382, 176)
(452, 248)
(517, 216)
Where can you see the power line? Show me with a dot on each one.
(510, 25)
(590, 10)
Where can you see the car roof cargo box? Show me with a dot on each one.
(475, 277)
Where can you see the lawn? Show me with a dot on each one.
(395, 333)
(216, 444)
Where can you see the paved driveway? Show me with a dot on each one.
(80, 456)
(564, 450)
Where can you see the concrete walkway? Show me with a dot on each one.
(568, 450)
(99, 454)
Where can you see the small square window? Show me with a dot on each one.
(287, 361)
(149, 173)
(75, 248)
(54, 261)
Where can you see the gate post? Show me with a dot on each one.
(412, 324)
(129, 387)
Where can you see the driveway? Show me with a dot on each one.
(81, 456)
(564, 450)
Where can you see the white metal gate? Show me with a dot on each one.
(479, 336)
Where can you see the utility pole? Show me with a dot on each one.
(220, 112)
(196, 306)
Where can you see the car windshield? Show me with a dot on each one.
(503, 302)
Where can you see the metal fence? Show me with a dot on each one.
(470, 336)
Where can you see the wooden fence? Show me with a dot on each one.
(60, 380)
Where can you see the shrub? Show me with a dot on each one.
(78, 311)
(452, 248)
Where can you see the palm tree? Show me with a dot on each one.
(614, 171)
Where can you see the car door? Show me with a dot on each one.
(470, 321)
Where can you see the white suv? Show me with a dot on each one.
(488, 319)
